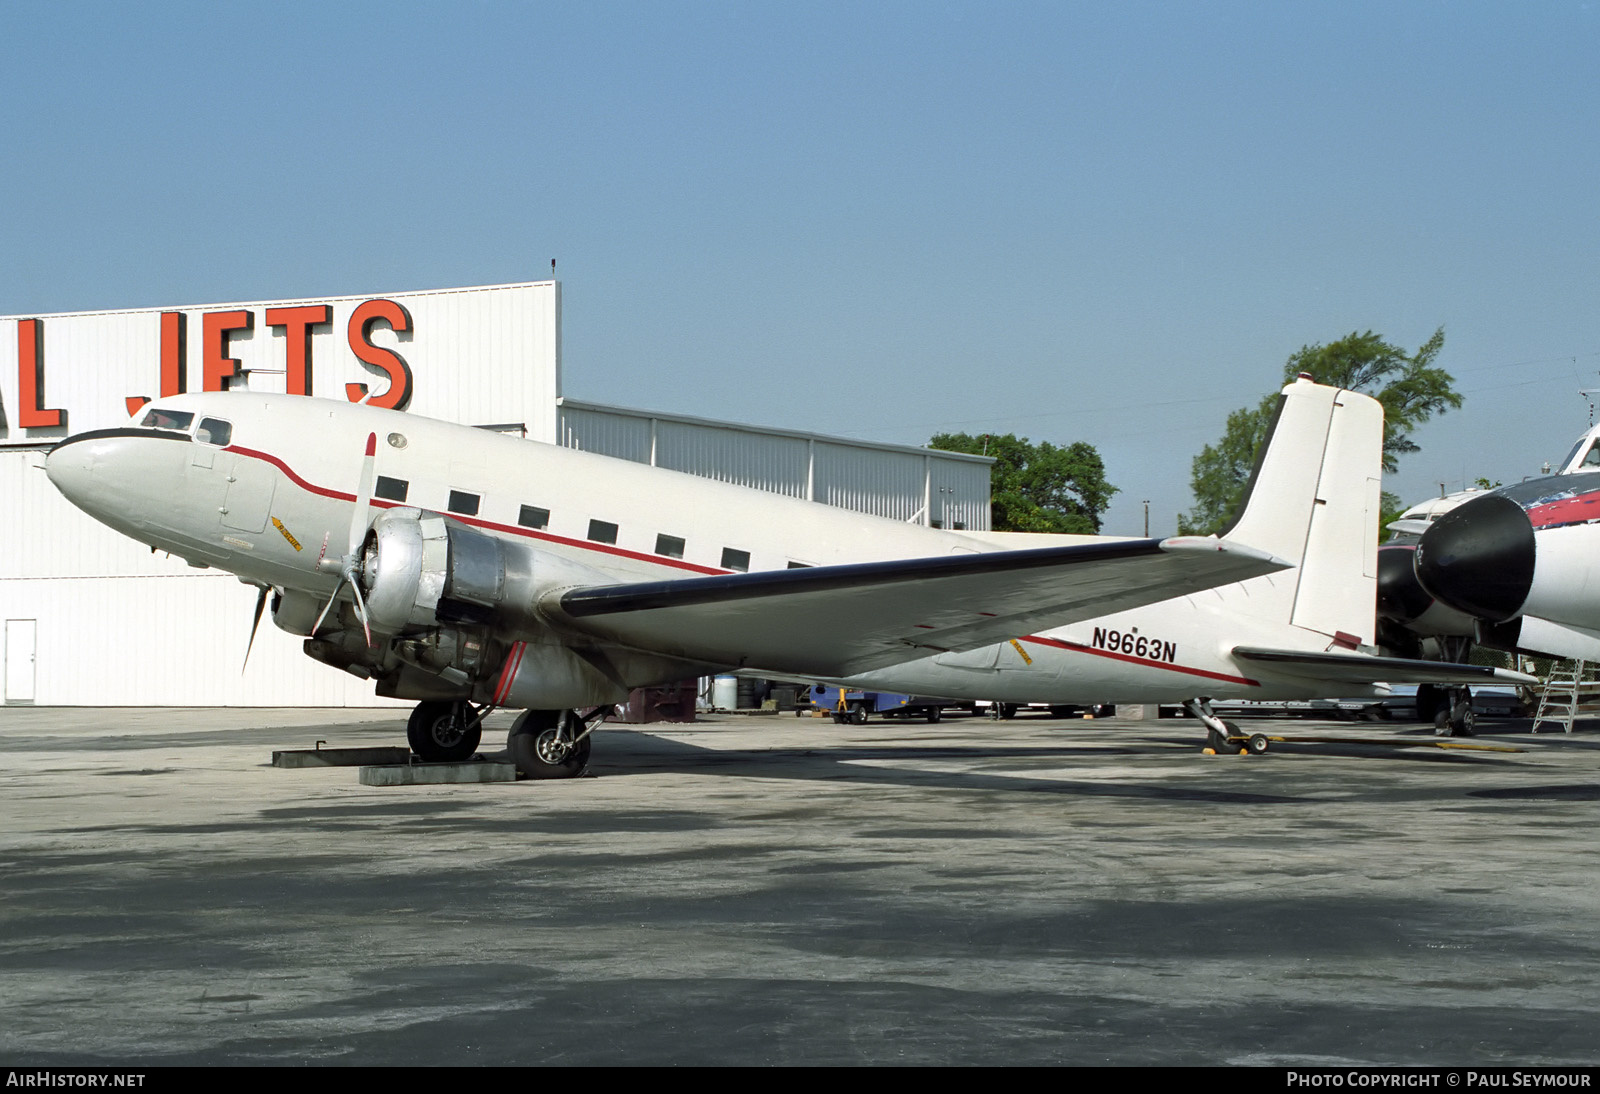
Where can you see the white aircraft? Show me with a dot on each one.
(1509, 568)
(469, 570)
(1520, 561)
(1306, 633)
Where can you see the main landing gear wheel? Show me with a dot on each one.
(1219, 743)
(1449, 724)
(1457, 718)
(542, 745)
(443, 732)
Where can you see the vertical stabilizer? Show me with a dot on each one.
(1313, 499)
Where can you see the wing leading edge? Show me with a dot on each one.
(841, 620)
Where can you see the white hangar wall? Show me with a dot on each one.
(92, 618)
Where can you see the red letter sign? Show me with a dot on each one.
(174, 359)
(30, 378)
(219, 367)
(398, 395)
(297, 324)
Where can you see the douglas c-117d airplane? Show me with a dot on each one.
(470, 570)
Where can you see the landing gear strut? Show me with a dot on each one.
(554, 744)
(1454, 717)
(444, 732)
(1220, 735)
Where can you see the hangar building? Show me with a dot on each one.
(92, 618)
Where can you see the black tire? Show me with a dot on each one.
(1059, 711)
(858, 715)
(1008, 710)
(934, 714)
(1430, 702)
(435, 732)
(536, 749)
(1258, 743)
(1216, 742)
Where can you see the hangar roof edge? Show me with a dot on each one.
(711, 423)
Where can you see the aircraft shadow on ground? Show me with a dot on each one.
(898, 762)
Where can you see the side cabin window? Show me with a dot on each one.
(464, 503)
(602, 531)
(669, 546)
(214, 431)
(168, 419)
(531, 516)
(391, 489)
(793, 565)
(1592, 458)
(735, 559)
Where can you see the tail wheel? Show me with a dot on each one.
(439, 732)
(542, 746)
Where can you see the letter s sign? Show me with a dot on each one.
(398, 395)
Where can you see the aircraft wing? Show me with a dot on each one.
(841, 620)
(1356, 668)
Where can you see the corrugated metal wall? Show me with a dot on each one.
(895, 481)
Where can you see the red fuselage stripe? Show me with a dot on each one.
(1078, 647)
(508, 529)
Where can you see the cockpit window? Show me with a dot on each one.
(168, 419)
(214, 431)
(1592, 459)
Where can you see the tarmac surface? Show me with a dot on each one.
(778, 890)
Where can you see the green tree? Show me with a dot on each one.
(1038, 487)
(1411, 387)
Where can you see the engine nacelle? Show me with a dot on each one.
(420, 570)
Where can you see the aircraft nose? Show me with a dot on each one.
(1479, 558)
(1401, 596)
(70, 466)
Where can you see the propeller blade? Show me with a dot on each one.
(317, 626)
(358, 519)
(261, 604)
(361, 608)
(350, 565)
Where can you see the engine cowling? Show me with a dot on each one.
(420, 570)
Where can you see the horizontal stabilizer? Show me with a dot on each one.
(841, 620)
(1356, 668)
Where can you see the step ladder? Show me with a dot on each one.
(1570, 692)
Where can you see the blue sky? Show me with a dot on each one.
(1100, 222)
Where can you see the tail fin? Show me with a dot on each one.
(1314, 499)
